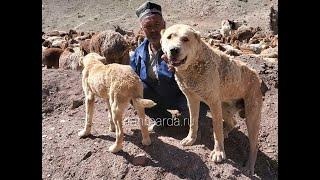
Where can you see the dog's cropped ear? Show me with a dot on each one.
(197, 34)
(162, 31)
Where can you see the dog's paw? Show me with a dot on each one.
(217, 156)
(188, 141)
(146, 141)
(115, 148)
(248, 170)
(83, 133)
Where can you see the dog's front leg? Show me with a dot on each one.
(89, 114)
(194, 106)
(218, 153)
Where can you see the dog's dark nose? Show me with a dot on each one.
(174, 51)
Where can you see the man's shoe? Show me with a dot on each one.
(155, 128)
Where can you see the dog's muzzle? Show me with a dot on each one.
(176, 62)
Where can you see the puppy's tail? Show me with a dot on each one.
(143, 103)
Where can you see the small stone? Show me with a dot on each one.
(265, 135)
(76, 103)
(50, 158)
(139, 160)
(88, 154)
(218, 175)
(62, 121)
(269, 150)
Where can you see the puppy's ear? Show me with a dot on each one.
(102, 59)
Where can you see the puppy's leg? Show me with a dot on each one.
(89, 114)
(117, 111)
(253, 105)
(218, 153)
(112, 126)
(228, 121)
(194, 106)
(143, 125)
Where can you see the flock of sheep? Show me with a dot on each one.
(62, 49)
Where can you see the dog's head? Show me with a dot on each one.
(91, 58)
(180, 43)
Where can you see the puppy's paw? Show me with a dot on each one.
(146, 141)
(188, 141)
(83, 133)
(112, 128)
(217, 156)
(115, 148)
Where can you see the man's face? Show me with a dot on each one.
(151, 26)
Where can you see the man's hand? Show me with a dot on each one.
(170, 66)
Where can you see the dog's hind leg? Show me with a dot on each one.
(117, 109)
(143, 124)
(253, 105)
(228, 110)
(218, 154)
(112, 126)
(89, 101)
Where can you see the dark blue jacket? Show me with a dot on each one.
(166, 87)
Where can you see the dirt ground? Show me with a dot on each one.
(205, 15)
(66, 156)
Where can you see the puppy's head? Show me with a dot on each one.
(180, 43)
(91, 58)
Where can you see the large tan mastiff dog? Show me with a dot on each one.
(205, 74)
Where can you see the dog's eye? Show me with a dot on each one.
(169, 37)
(185, 39)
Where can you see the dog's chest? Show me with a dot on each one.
(193, 83)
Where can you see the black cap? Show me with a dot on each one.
(148, 8)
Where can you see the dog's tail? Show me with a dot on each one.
(143, 103)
